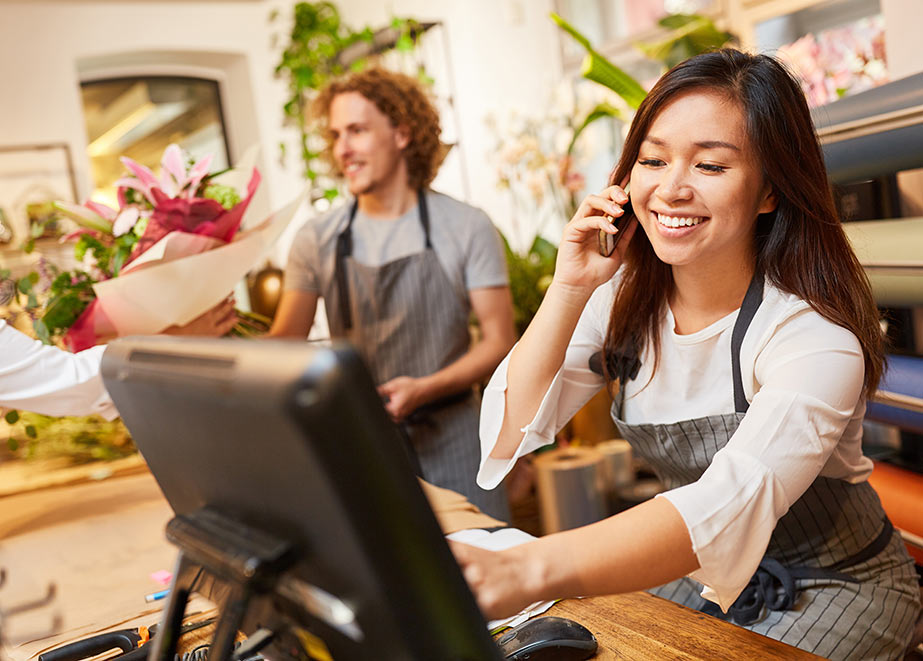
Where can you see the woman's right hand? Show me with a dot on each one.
(579, 264)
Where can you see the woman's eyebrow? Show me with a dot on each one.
(704, 144)
(717, 144)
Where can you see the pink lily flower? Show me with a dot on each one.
(143, 181)
(175, 182)
(125, 221)
(85, 216)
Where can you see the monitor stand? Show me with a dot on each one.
(247, 560)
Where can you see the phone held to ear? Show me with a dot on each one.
(608, 242)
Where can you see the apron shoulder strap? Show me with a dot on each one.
(748, 308)
(343, 250)
(423, 210)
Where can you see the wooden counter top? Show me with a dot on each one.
(641, 626)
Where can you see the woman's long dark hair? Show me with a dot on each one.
(800, 247)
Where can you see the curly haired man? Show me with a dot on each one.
(401, 268)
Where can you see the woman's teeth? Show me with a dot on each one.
(678, 221)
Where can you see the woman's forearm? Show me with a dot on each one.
(638, 549)
(536, 359)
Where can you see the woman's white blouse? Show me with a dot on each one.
(803, 377)
(37, 377)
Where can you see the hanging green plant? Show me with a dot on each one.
(321, 47)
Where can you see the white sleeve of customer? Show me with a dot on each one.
(810, 373)
(44, 379)
(572, 387)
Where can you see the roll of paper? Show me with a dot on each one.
(571, 488)
(618, 471)
(889, 250)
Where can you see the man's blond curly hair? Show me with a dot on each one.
(404, 102)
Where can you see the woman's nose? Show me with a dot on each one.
(674, 185)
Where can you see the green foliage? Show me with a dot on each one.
(226, 196)
(314, 55)
(68, 296)
(600, 70)
(689, 35)
(81, 439)
(530, 275)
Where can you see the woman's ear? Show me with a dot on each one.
(769, 200)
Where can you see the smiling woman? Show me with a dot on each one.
(699, 189)
(743, 336)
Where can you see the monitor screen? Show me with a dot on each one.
(292, 439)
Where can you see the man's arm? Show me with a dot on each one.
(295, 315)
(493, 307)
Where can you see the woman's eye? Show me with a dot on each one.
(709, 167)
(651, 162)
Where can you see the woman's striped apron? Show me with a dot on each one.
(836, 579)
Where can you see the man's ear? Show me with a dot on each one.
(402, 136)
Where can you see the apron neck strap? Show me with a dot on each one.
(344, 249)
(752, 300)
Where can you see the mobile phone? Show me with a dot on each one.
(608, 242)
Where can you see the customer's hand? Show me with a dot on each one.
(213, 323)
(579, 264)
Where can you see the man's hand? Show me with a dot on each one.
(403, 395)
(213, 323)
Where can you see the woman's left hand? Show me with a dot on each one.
(499, 579)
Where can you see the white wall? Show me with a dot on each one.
(903, 21)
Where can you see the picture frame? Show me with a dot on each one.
(31, 177)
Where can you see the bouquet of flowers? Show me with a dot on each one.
(169, 231)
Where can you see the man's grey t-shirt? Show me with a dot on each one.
(466, 244)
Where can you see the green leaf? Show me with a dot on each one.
(691, 34)
(676, 21)
(41, 331)
(600, 111)
(545, 249)
(404, 43)
(30, 431)
(36, 230)
(11, 417)
(572, 31)
(602, 71)
(62, 312)
(12, 444)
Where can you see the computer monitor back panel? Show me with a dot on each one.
(292, 439)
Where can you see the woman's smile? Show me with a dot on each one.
(678, 221)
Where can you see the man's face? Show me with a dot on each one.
(367, 148)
